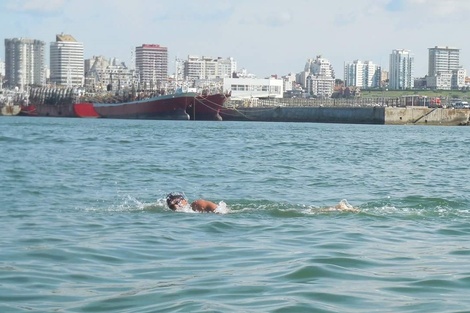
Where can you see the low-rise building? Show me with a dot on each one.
(245, 88)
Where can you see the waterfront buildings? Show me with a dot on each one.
(443, 59)
(66, 61)
(196, 67)
(289, 82)
(24, 62)
(401, 70)
(318, 78)
(151, 61)
(107, 74)
(444, 70)
(362, 74)
(249, 87)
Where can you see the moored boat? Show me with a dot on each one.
(207, 106)
(53, 102)
(85, 109)
(165, 107)
(52, 110)
(10, 110)
(11, 101)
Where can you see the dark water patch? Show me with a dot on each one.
(454, 231)
(463, 251)
(436, 285)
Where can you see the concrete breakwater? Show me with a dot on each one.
(351, 115)
(427, 116)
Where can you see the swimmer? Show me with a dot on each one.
(176, 201)
(342, 206)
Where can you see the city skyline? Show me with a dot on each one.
(265, 38)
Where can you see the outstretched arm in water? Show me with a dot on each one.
(201, 205)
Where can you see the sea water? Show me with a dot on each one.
(312, 217)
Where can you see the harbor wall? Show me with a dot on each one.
(348, 115)
(426, 116)
(352, 115)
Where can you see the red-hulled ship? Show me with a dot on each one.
(170, 107)
(207, 106)
(60, 110)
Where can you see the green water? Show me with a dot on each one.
(85, 228)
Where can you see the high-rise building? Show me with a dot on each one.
(444, 70)
(67, 61)
(362, 74)
(443, 59)
(320, 67)
(208, 67)
(152, 65)
(401, 70)
(319, 77)
(24, 62)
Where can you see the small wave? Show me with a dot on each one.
(408, 207)
(418, 207)
(127, 204)
(7, 139)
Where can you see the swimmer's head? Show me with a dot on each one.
(175, 201)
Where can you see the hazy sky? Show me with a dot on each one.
(264, 36)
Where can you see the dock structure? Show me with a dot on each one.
(355, 111)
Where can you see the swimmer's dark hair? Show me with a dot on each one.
(172, 196)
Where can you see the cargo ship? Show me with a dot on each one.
(72, 102)
(54, 102)
(159, 106)
(207, 106)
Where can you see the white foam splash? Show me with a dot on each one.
(342, 206)
(222, 208)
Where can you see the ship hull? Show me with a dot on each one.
(166, 107)
(207, 107)
(51, 110)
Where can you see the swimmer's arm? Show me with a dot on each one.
(201, 205)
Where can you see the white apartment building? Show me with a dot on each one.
(196, 67)
(401, 70)
(151, 62)
(442, 79)
(289, 81)
(301, 79)
(67, 61)
(24, 62)
(445, 61)
(458, 78)
(362, 74)
(320, 86)
(318, 77)
(320, 67)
